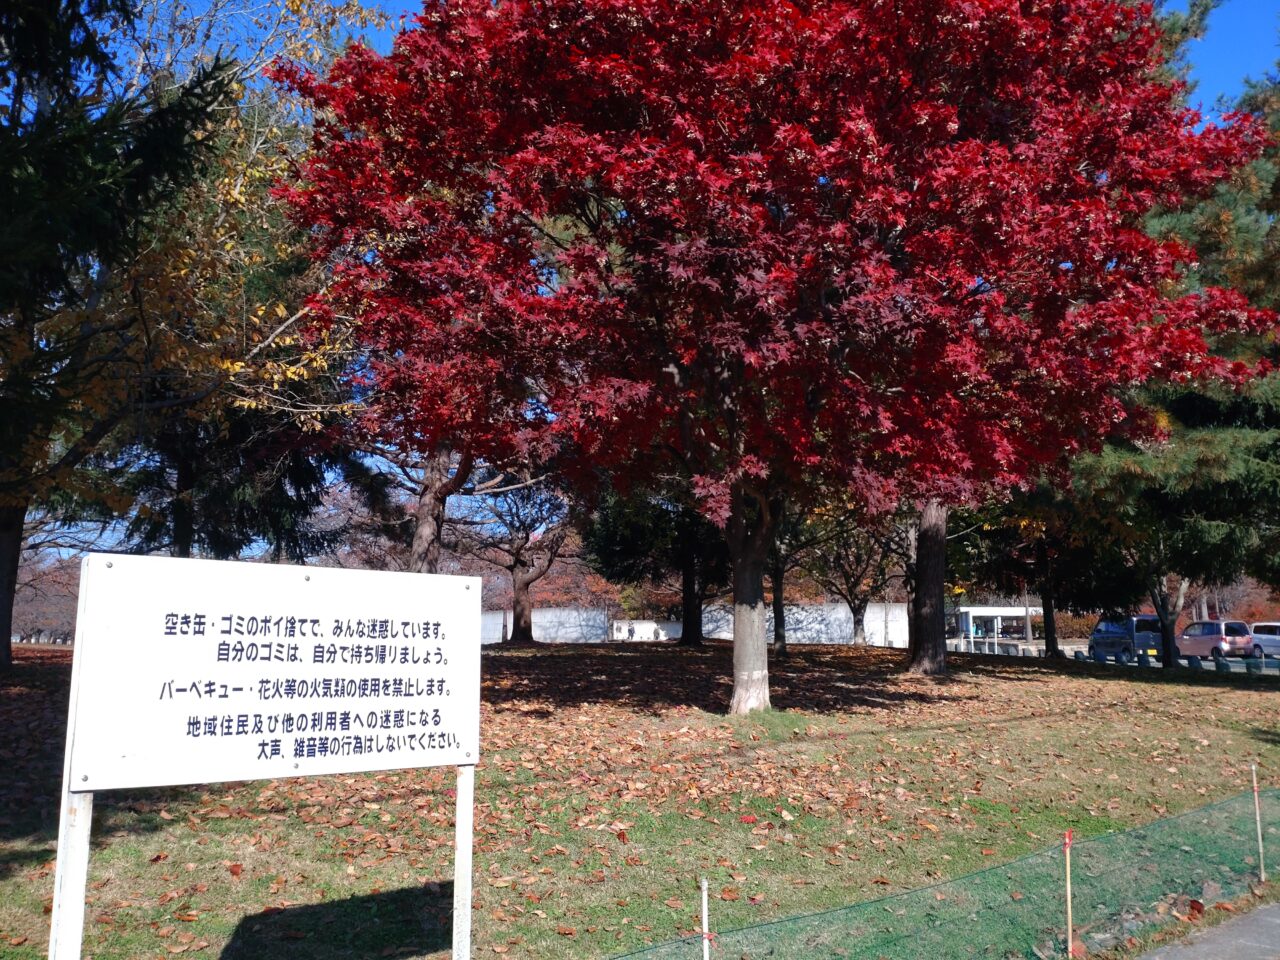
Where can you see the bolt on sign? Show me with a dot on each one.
(201, 671)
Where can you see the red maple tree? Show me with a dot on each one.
(894, 247)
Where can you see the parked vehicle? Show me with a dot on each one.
(1125, 637)
(1217, 639)
(1266, 639)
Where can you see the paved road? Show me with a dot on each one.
(1255, 936)
(1271, 667)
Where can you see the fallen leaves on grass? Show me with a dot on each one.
(583, 744)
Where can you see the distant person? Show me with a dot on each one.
(631, 632)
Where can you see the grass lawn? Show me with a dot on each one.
(610, 783)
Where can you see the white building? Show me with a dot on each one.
(990, 623)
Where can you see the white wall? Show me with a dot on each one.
(491, 626)
(819, 623)
(570, 625)
(806, 623)
(874, 625)
(551, 625)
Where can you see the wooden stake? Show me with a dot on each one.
(1071, 940)
(1257, 815)
(706, 927)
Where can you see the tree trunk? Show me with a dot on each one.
(1048, 602)
(184, 506)
(12, 519)
(521, 609)
(929, 649)
(525, 572)
(776, 576)
(860, 623)
(749, 534)
(1168, 608)
(690, 598)
(1028, 634)
(910, 583)
(439, 483)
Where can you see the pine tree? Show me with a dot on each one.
(81, 169)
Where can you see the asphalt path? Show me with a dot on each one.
(1271, 665)
(1254, 936)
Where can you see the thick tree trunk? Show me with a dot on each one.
(690, 599)
(1049, 605)
(776, 576)
(1168, 608)
(1048, 601)
(929, 646)
(859, 611)
(439, 482)
(184, 523)
(521, 609)
(12, 518)
(524, 574)
(910, 581)
(749, 537)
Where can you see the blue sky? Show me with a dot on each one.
(1241, 41)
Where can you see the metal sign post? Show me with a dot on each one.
(463, 844)
(201, 671)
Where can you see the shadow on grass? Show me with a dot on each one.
(645, 677)
(649, 677)
(33, 730)
(398, 923)
(1263, 735)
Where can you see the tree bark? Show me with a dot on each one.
(910, 583)
(1167, 610)
(525, 572)
(690, 598)
(860, 623)
(521, 609)
(749, 535)
(1048, 601)
(439, 482)
(929, 646)
(776, 576)
(1049, 605)
(12, 518)
(183, 506)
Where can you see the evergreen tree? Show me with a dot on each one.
(641, 538)
(81, 170)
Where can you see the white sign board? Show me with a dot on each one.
(202, 671)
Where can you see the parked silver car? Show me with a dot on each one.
(1266, 639)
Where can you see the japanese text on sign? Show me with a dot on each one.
(200, 671)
